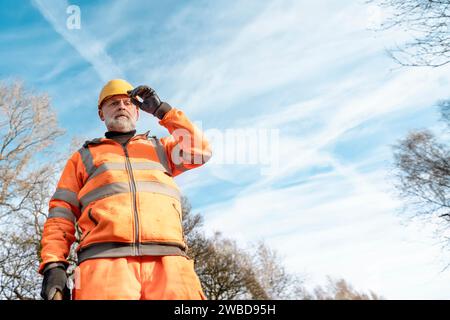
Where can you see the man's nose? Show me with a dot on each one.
(121, 105)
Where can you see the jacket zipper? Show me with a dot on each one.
(134, 203)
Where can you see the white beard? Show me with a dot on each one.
(121, 124)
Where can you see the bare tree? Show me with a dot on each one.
(428, 23)
(422, 169)
(218, 262)
(422, 176)
(227, 271)
(339, 289)
(270, 277)
(27, 127)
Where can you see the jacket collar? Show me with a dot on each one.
(102, 140)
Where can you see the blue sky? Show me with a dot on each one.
(314, 72)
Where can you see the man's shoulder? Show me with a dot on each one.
(94, 141)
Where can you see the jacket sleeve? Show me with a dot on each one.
(64, 210)
(186, 147)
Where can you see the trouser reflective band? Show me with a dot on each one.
(113, 249)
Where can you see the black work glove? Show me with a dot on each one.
(150, 101)
(55, 279)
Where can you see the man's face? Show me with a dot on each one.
(119, 113)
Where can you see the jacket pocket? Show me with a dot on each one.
(91, 217)
(94, 221)
(178, 212)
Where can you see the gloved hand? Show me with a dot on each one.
(150, 101)
(55, 279)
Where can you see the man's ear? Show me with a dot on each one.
(137, 113)
(100, 114)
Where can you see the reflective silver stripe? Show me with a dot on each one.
(149, 165)
(152, 165)
(67, 196)
(59, 212)
(114, 249)
(124, 187)
(88, 160)
(161, 154)
(107, 166)
(156, 187)
(103, 192)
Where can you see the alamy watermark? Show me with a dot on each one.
(74, 19)
(231, 146)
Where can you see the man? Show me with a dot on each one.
(119, 191)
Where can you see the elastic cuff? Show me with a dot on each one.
(52, 265)
(162, 110)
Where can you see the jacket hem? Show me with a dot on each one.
(115, 250)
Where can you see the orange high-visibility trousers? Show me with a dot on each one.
(137, 278)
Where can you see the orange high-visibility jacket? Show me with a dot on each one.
(123, 199)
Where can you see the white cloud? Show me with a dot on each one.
(338, 225)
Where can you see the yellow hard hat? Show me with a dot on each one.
(113, 87)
